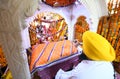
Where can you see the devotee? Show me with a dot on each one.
(97, 65)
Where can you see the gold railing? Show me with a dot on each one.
(109, 26)
(113, 7)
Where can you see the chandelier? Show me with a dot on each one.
(58, 3)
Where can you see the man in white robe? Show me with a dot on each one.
(100, 54)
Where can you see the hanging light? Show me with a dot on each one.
(56, 4)
(59, 3)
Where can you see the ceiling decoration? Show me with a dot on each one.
(59, 3)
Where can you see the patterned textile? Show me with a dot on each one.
(45, 54)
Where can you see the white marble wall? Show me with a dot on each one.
(14, 36)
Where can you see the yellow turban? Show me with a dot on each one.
(97, 47)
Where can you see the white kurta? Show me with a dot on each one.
(88, 70)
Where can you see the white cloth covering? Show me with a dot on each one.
(88, 69)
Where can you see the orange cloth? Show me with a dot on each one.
(45, 53)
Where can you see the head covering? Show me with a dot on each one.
(97, 47)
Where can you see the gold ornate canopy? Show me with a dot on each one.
(47, 26)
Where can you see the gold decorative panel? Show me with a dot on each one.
(109, 26)
(3, 61)
(80, 27)
(48, 26)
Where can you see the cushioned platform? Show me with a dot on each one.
(46, 59)
(50, 71)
